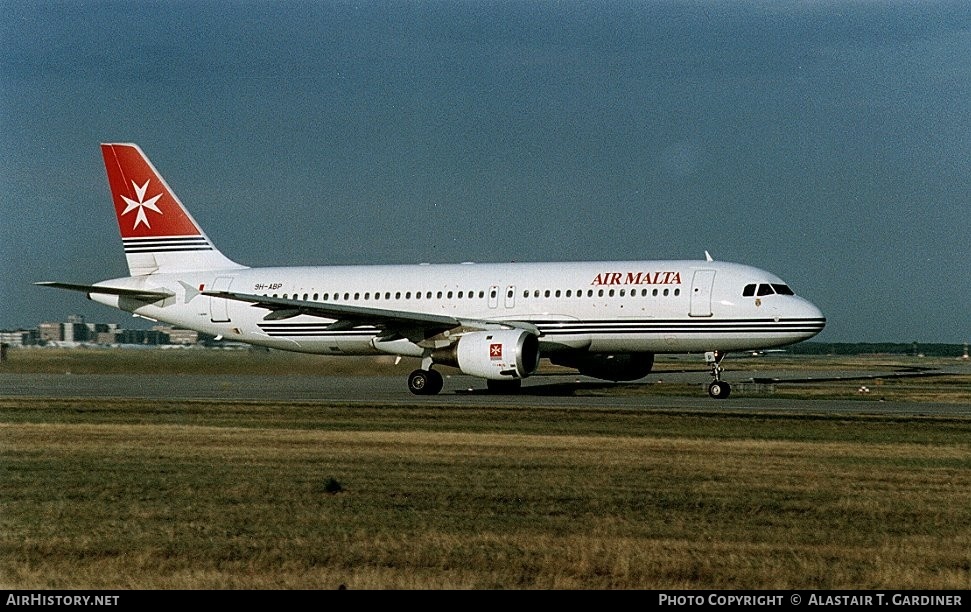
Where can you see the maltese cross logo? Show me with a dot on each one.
(141, 204)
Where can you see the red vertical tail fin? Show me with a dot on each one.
(158, 232)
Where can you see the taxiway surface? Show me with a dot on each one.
(556, 391)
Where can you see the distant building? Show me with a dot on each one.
(20, 337)
(142, 336)
(75, 330)
(178, 335)
(106, 338)
(103, 333)
(51, 332)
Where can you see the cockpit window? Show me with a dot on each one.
(766, 289)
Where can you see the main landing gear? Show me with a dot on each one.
(430, 382)
(425, 382)
(718, 389)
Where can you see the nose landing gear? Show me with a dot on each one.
(718, 389)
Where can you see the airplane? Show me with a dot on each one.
(494, 321)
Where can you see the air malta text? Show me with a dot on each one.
(637, 278)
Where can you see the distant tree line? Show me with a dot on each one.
(884, 348)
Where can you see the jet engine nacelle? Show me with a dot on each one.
(495, 355)
(605, 366)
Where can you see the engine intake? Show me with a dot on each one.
(495, 355)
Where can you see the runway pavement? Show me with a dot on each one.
(554, 391)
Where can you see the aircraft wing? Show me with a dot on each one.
(141, 294)
(415, 326)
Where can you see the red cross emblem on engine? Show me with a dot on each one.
(495, 351)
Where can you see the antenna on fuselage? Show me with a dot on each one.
(708, 257)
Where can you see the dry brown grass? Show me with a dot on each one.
(473, 499)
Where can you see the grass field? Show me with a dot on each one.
(264, 495)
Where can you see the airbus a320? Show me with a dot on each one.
(493, 321)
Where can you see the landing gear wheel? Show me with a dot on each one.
(719, 389)
(504, 386)
(425, 382)
(436, 382)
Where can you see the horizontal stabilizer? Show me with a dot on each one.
(141, 294)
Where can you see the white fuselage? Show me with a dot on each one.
(600, 307)
(491, 321)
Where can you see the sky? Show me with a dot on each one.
(826, 142)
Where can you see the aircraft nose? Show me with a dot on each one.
(815, 320)
(812, 311)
